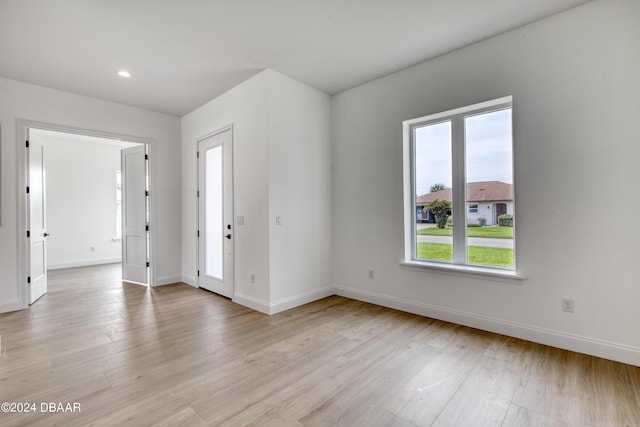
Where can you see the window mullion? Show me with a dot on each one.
(459, 195)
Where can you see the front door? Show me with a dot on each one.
(501, 209)
(37, 233)
(215, 213)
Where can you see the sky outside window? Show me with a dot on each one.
(433, 156)
(488, 147)
(488, 151)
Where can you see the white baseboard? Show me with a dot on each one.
(83, 263)
(190, 280)
(251, 302)
(284, 303)
(607, 350)
(11, 305)
(300, 299)
(168, 280)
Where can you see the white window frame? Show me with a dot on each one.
(459, 262)
(473, 208)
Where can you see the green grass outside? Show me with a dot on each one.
(501, 257)
(490, 232)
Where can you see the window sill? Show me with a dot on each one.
(464, 269)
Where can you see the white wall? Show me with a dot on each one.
(23, 101)
(245, 107)
(281, 167)
(574, 81)
(81, 200)
(299, 192)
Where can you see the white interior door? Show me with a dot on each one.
(215, 213)
(37, 234)
(134, 215)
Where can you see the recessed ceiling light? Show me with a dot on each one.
(124, 73)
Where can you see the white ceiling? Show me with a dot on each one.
(183, 53)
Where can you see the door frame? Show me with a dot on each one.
(198, 199)
(22, 169)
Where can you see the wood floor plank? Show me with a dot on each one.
(484, 397)
(634, 375)
(608, 393)
(518, 416)
(364, 399)
(185, 418)
(302, 394)
(577, 389)
(425, 396)
(177, 355)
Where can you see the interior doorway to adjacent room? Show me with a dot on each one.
(87, 203)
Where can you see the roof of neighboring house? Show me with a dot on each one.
(487, 191)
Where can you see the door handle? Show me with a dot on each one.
(46, 234)
(228, 236)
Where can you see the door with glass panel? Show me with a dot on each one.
(215, 213)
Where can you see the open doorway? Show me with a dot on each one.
(87, 204)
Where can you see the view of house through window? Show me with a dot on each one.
(464, 158)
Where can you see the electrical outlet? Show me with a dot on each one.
(240, 220)
(278, 220)
(372, 274)
(253, 278)
(92, 248)
(567, 305)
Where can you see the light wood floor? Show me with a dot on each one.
(176, 355)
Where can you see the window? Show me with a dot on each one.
(118, 205)
(462, 157)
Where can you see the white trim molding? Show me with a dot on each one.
(300, 299)
(12, 305)
(167, 280)
(586, 345)
(83, 263)
(465, 269)
(284, 303)
(190, 280)
(254, 303)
